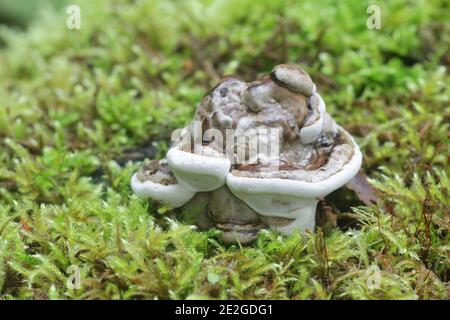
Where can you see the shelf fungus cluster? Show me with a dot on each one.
(256, 155)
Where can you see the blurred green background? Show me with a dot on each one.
(20, 13)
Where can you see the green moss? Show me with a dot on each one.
(73, 103)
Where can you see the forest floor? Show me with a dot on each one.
(80, 110)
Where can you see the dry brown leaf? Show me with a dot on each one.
(365, 192)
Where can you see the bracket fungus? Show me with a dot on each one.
(256, 155)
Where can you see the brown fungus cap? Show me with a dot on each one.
(293, 78)
(314, 156)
